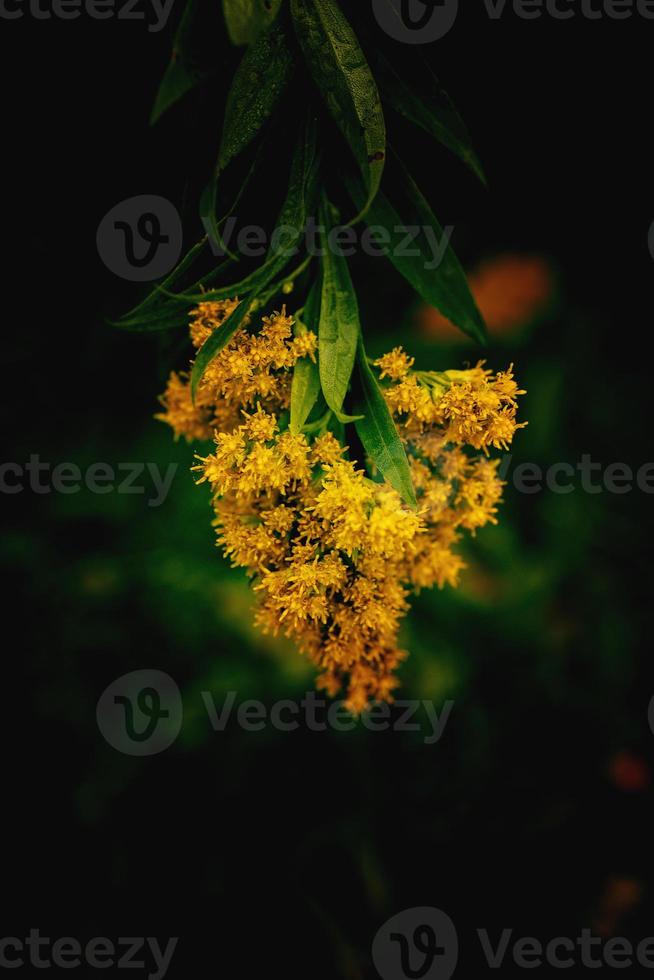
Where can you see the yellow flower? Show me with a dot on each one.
(479, 495)
(409, 397)
(479, 409)
(186, 419)
(332, 555)
(395, 364)
(260, 425)
(305, 345)
(436, 565)
(280, 519)
(327, 449)
(207, 316)
(391, 526)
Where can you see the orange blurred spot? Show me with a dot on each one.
(510, 291)
(628, 772)
(619, 897)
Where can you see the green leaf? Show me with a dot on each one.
(342, 74)
(184, 71)
(177, 81)
(310, 318)
(432, 109)
(260, 81)
(130, 320)
(378, 432)
(339, 328)
(305, 387)
(216, 341)
(160, 320)
(440, 281)
(246, 19)
(294, 213)
(293, 217)
(210, 219)
(208, 202)
(226, 330)
(298, 204)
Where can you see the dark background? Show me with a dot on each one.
(286, 852)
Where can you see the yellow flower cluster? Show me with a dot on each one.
(474, 407)
(253, 369)
(333, 555)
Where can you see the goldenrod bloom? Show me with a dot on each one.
(333, 556)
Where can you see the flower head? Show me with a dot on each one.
(332, 555)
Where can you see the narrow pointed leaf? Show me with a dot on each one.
(339, 328)
(342, 74)
(305, 387)
(185, 69)
(166, 319)
(378, 431)
(260, 81)
(430, 108)
(433, 269)
(159, 294)
(213, 225)
(133, 315)
(178, 79)
(246, 19)
(216, 341)
(210, 221)
(293, 216)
